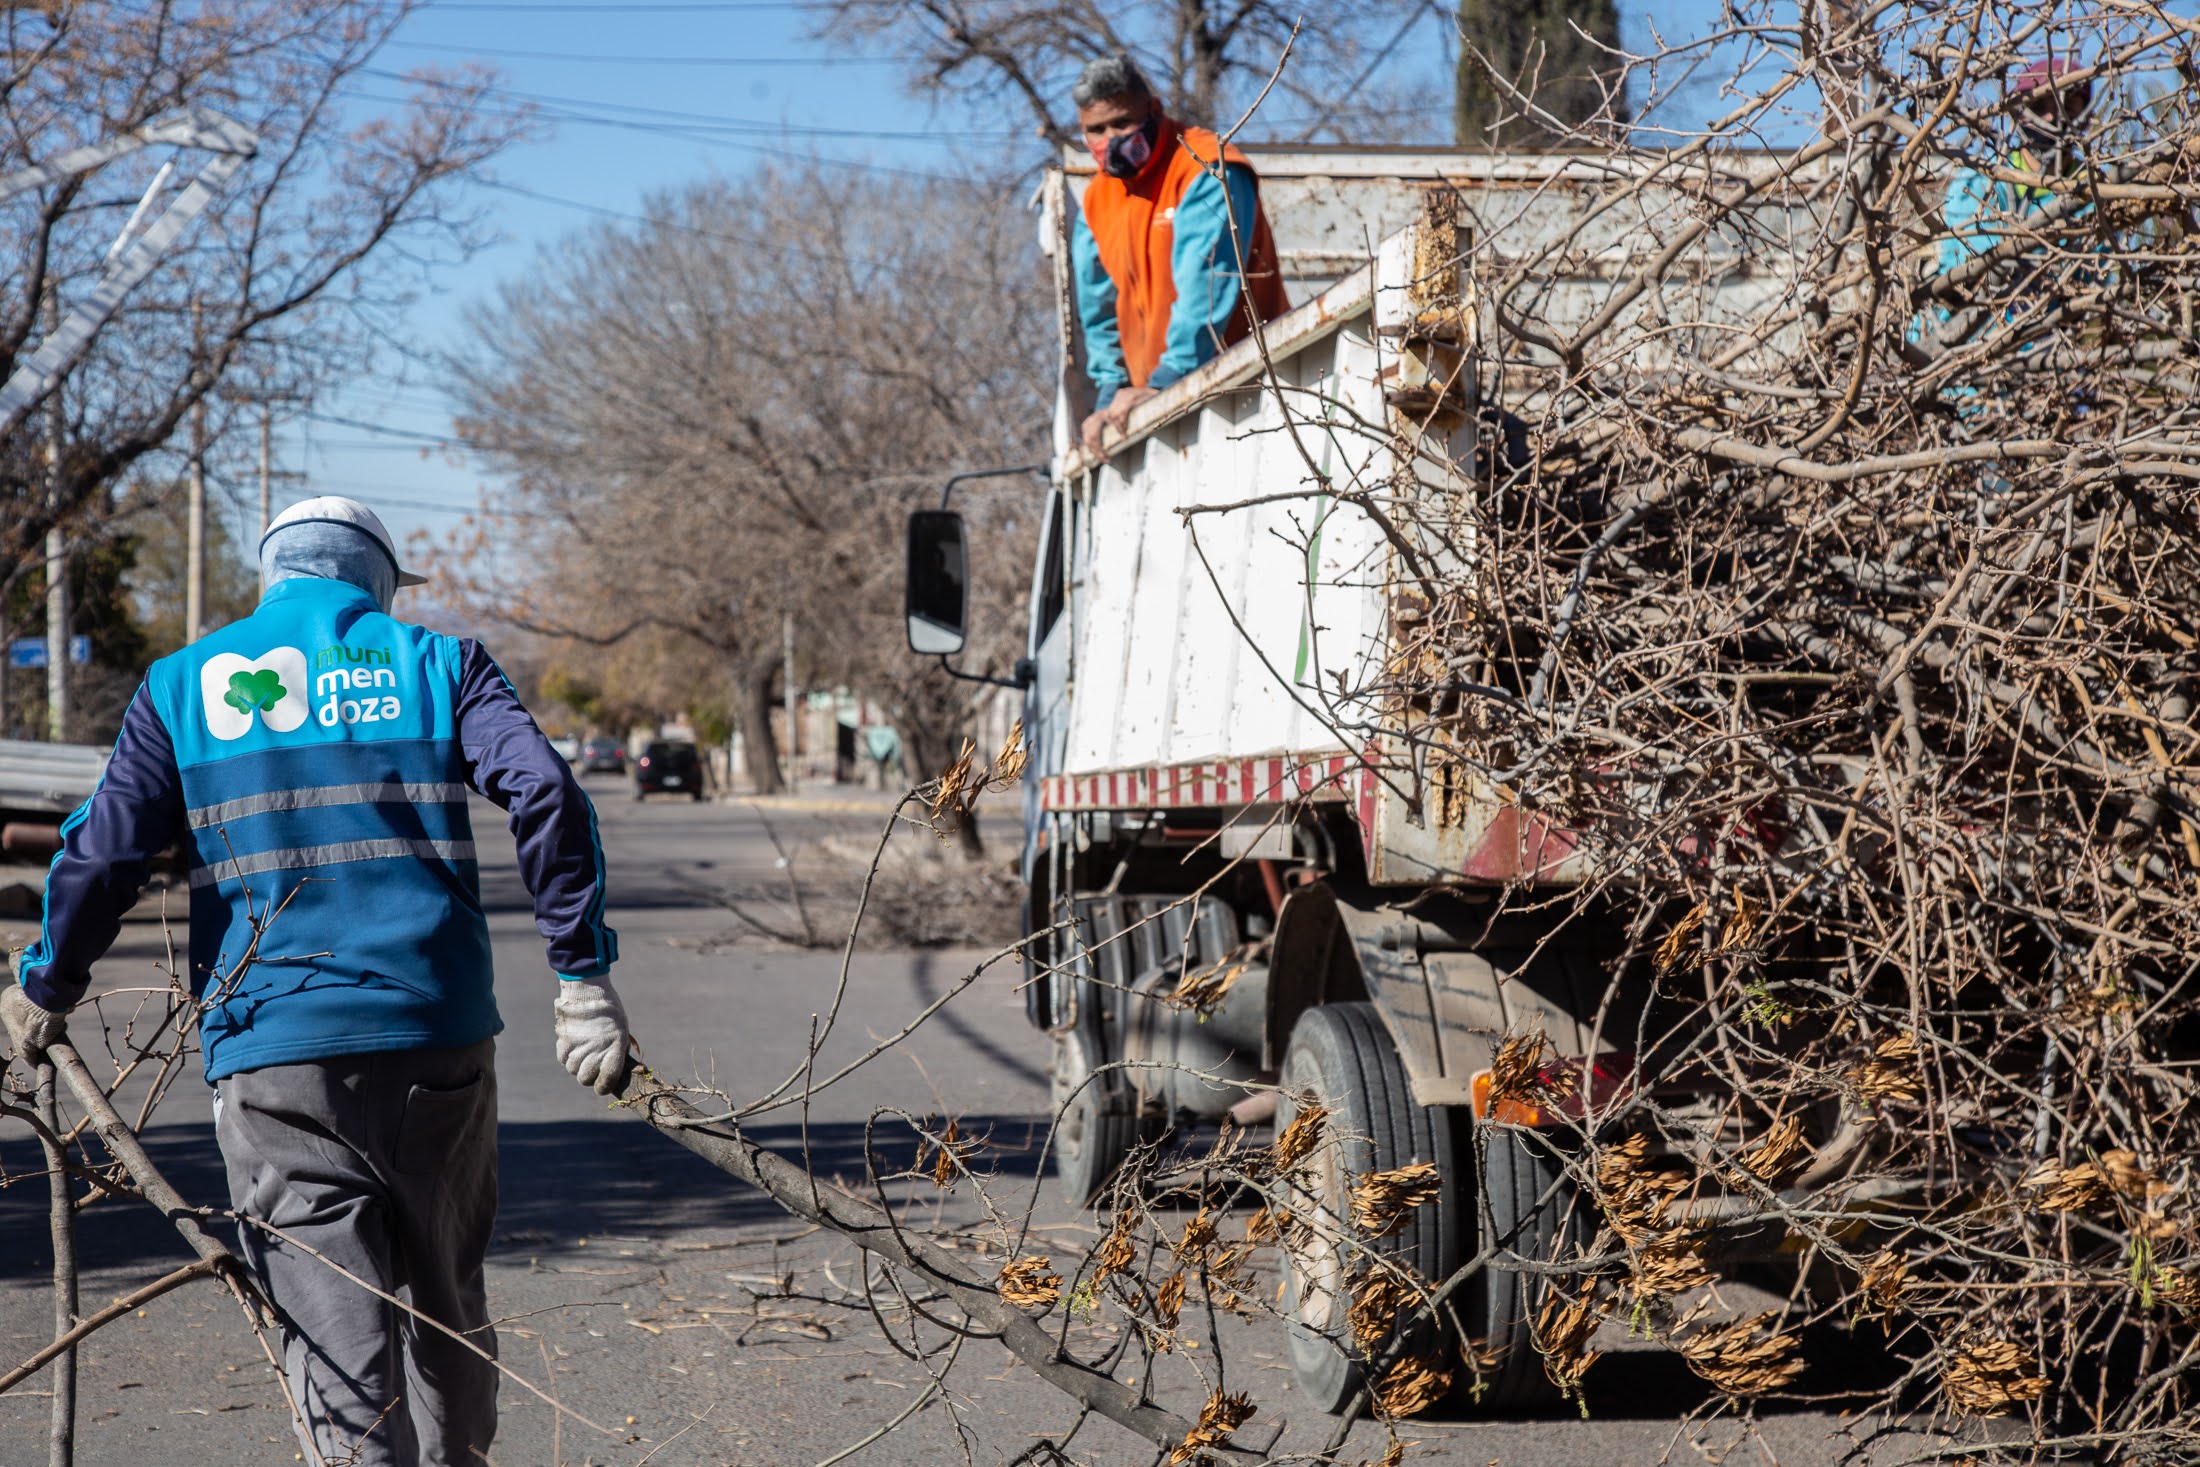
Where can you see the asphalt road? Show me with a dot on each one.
(626, 1275)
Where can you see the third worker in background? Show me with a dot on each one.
(1172, 262)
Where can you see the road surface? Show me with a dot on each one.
(626, 1275)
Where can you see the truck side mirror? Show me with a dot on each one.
(938, 582)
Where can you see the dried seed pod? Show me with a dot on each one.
(1745, 1357)
(1777, 1154)
(1008, 765)
(1381, 1200)
(1115, 1253)
(1168, 1301)
(1891, 1072)
(1198, 1237)
(1563, 1327)
(1985, 1377)
(1300, 1137)
(1413, 1385)
(1219, 1419)
(1029, 1283)
(1884, 1280)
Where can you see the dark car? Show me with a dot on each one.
(668, 768)
(603, 756)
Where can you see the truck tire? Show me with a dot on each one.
(1095, 1119)
(1499, 1307)
(1343, 1057)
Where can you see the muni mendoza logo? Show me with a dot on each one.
(233, 690)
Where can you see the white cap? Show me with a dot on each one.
(334, 509)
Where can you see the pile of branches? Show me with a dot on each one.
(1835, 580)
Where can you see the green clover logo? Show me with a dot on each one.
(260, 690)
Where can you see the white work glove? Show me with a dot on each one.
(592, 1032)
(31, 1027)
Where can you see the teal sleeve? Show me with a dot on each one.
(1207, 264)
(1970, 212)
(1096, 314)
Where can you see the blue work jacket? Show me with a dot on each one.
(314, 760)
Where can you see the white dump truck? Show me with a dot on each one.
(1215, 787)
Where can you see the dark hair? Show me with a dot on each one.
(1110, 77)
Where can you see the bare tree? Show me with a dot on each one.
(304, 256)
(723, 416)
(1208, 57)
(1554, 50)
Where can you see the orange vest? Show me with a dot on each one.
(1130, 225)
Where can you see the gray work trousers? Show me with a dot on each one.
(385, 1164)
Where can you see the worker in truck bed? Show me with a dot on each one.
(1172, 263)
(314, 761)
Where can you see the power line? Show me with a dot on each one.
(746, 241)
(505, 54)
(708, 120)
(690, 135)
(436, 439)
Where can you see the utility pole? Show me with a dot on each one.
(194, 576)
(57, 559)
(786, 664)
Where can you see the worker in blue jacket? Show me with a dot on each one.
(314, 761)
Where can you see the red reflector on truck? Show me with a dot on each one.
(1558, 1093)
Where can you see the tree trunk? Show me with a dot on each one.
(1533, 44)
(752, 714)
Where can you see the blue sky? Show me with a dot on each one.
(636, 98)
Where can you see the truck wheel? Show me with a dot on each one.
(1342, 1056)
(1096, 1119)
(1500, 1306)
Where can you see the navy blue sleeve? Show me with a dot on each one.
(560, 857)
(107, 850)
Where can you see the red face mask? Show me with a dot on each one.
(1126, 155)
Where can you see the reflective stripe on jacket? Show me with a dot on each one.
(1172, 266)
(314, 760)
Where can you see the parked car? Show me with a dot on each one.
(568, 748)
(668, 768)
(603, 756)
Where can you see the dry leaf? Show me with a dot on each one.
(1680, 945)
(949, 805)
(1114, 1255)
(1381, 1200)
(1563, 1327)
(1199, 1235)
(1413, 1385)
(1891, 1072)
(954, 1155)
(1028, 1283)
(1265, 1226)
(1218, 1420)
(1168, 1301)
(2059, 1188)
(1300, 1137)
(1008, 765)
(1200, 990)
(1778, 1153)
(1885, 1277)
(1986, 1377)
(1635, 1194)
(1514, 1067)
(1744, 1357)
(1666, 1265)
(2120, 1169)
(1377, 1297)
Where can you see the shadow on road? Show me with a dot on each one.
(561, 1181)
